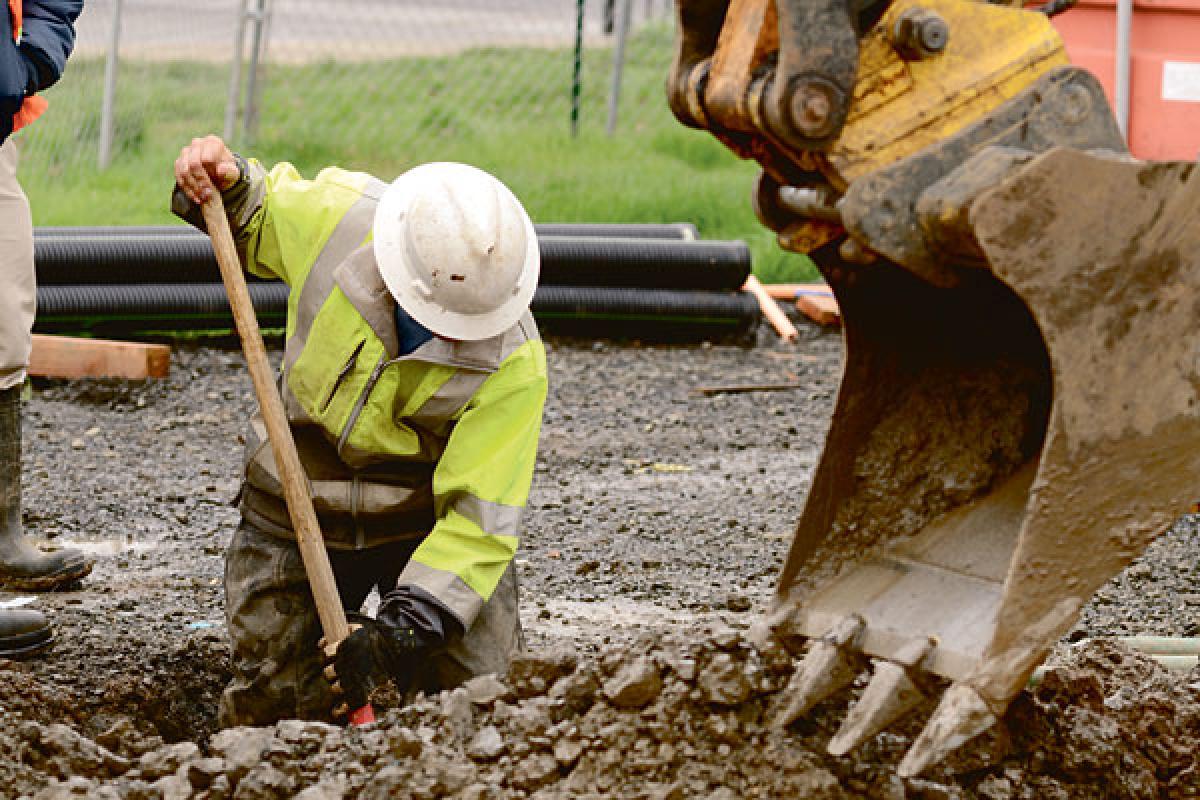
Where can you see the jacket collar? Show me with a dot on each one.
(359, 279)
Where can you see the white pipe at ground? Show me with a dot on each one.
(1163, 645)
(1124, 60)
(1174, 654)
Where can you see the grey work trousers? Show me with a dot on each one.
(18, 290)
(273, 624)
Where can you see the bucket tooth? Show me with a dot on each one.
(831, 665)
(889, 696)
(962, 715)
(825, 670)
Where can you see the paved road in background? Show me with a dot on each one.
(305, 30)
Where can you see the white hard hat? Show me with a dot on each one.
(456, 250)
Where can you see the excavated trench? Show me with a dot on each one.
(657, 523)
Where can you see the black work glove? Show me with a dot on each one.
(409, 627)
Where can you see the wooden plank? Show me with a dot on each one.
(819, 305)
(788, 291)
(67, 357)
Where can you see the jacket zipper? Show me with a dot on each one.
(384, 363)
(362, 400)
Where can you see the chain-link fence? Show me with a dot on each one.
(563, 99)
(355, 77)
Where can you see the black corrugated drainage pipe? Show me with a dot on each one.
(654, 314)
(616, 312)
(664, 230)
(566, 261)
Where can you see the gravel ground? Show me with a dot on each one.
(657, 513)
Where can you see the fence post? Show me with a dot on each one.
(234, 99)
(614, 95)
(253, 92)
(108, 106)
(576, 75)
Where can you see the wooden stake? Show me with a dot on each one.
(708, 391)
(771, 310)
(291, 471)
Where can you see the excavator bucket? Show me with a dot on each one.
(1019, 413)
(1003, 447)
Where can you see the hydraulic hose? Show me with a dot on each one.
(566, 261)
(666, 230)
(634, 313)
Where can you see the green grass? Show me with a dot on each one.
(493, 108)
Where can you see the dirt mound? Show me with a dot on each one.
(655, 511)
(656, 719)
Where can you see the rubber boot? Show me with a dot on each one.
(23, 632)
(23, 566)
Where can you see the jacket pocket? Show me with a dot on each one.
(341, 376)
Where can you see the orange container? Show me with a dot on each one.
(1164, 91)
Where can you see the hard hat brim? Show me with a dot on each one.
(391, 254)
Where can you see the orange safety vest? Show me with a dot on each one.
(33, 107)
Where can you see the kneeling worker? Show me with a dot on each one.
(414, 380)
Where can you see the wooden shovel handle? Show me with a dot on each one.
(295, 481)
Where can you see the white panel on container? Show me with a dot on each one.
(1181, 81)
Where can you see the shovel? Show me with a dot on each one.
(295, 482)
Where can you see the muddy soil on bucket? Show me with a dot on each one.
(657, 523)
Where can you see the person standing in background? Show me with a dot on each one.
(36, 36)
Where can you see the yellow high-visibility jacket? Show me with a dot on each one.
(439, 443)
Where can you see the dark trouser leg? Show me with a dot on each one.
(274, 627)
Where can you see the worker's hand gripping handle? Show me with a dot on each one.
(295, 481)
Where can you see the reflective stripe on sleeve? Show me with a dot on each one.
(492, 518)
(456, 556)
(449, 589)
